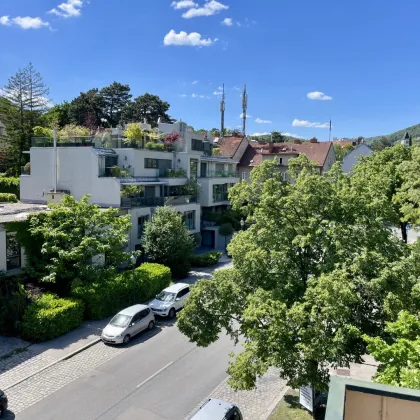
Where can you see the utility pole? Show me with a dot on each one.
(330, 131)
(244, 109)
(222, 112)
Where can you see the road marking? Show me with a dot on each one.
(155, 374)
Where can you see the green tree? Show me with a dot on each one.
(87, 109)
(226, 230)
(341, 151)
(146, 107)
(167, 241)
(381, 143)
(73, 234)
(116, 97)
(57, 116)
(24, 99)
(378, 178)
(134, 132)
(277, 137)
(399, 355)
(302, 291)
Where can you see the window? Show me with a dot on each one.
(183, 292)
(190, 219)
(280, 161)
(197, 145)
(193, 169)
(245, 175)
(13, 256)
(220, 169)
(136, 318)
(150, 163)
(140, 225)
(220, 192)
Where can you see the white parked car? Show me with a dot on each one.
(170, 300)
(127, 323)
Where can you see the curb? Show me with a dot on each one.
(66, 357)
(274, 404)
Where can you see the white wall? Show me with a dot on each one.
(206, 190)
(330, 160)
(351, 158)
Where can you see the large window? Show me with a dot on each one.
(150, 163)
(220, 193)
(13, 255)
(245, 175)
(190, 219)
(140, 225)
(193, 168)
(197, 145)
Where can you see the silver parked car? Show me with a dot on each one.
(127, 323)
(214, 409)
(170, 300)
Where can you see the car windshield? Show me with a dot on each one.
(120, 320)
(165, 296)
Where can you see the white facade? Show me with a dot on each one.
(161, 176)
(352, 157)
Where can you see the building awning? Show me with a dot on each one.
(141, 181)
(217, 159)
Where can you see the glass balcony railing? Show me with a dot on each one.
(25, 170)
(220, 174)
(133, 202)
(220, 197)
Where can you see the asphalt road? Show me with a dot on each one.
(160, 376)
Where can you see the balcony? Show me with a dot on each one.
(220, 174)
(63, 142)
(133, 202)
(224, 196)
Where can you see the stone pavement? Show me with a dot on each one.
(256, 404)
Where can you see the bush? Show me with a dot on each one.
(159, 146)
(150, 145)
(8, 198)
(106, 298)
(13, 301)
(206, 260)
(9, 185)
(49, 316)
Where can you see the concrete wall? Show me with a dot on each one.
(351, 158)
(330, 160)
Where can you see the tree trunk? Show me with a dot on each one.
(403, 226)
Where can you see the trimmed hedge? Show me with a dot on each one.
(206, 260)
(8, 198)
(49, 316)
(9, 185)
(13, 301)
(108, 297)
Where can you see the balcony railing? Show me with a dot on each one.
(220, 174)
(132, 202)
(220, 197)
(116, 172)
(63, 142)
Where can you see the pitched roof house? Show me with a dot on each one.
(321, 153)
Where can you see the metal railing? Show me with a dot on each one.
(63, 142)
(220, 174)
(132, 202)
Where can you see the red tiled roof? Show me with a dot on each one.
(229, 145)
(315, 152)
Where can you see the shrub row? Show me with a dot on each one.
(49, 316)
(8, 198)
(205, 260)
(108, 297)
(13, 301)
(9, 185)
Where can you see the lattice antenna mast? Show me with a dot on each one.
(222, 113)
(244, 109)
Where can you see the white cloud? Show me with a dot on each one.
(183, 95)
(195, 82)
(266, 133)
(24, 22)
(291, 135)
(227, 22)
(4, 20)
(210, 8)
(218, 91)
(194, 95)
(183, 4)
(260, 121)
(242, 115)
(308, 124)
(261, 134)
(190, 40)
(71, 8)
(319, 96)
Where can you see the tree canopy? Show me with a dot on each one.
(116, 98)
(304, 288)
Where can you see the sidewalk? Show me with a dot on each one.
(20, 359)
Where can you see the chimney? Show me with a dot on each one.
(296, 141)
(314, 140)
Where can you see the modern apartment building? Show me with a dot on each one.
(164, 167)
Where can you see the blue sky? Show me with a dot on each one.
(361, 54)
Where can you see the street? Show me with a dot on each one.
(160, 376)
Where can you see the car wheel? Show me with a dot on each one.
(126, 339)
(151, 325)
(1, 411)
(172, 313)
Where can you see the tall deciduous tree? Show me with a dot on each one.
(381, 143)
(75, 232)
(116, 97)
(57, 116)
(302, 292)
(146, 107)
(167, 241)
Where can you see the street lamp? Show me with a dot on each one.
(242, 224)
(133, 261)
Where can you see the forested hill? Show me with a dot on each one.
(414, 132)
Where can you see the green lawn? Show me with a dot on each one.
(290, 409)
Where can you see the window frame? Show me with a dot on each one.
(147, 163)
